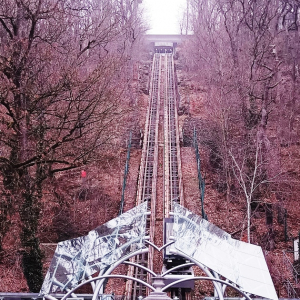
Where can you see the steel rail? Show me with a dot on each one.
(162, 91)
(148, 177)
(173, 161)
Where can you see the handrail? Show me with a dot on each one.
(289, 287)
(38, 296)
(295, 273)
(125, 175)
(201, 181)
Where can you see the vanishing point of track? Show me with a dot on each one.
(162, 101)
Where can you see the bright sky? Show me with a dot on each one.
(163, 16)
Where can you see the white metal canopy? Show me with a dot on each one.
(241, 263)
(212, 249)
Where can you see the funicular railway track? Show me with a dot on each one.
(162, 96)
(173, 184)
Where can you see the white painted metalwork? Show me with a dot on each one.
(241, 263)
(210, 279)
(116, 264)
(78, 259)
(195, 239)
(108, 276)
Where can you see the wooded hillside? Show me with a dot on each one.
(73, 83)
(240, 90)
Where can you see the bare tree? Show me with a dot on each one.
(233, 56)
(61, 81)
(250, 177)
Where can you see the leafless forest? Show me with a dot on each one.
(242, 63)
(73, 84)
(64, 75)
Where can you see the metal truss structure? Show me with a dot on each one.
(225, 261)
(78, 259)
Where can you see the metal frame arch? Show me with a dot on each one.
(161, 248)
(103, 277)
(140, 266)
(112, 267)
(216, 284)
(207, 278)
(116, 264)
(220, 285)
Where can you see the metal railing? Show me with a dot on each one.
(288, 284)
(147, 176)
(173, 182)
(125, 175)
(291, 292)
(288, 264)
(35, 296)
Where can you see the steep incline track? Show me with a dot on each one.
(173, 178)
(162, 92)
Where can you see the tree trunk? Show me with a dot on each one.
(248, 219)
(31, 254)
